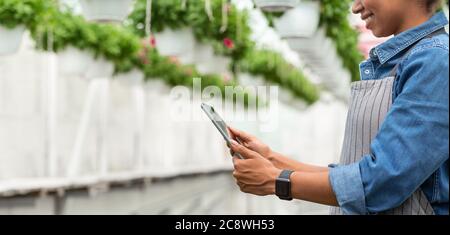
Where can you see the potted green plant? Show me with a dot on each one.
(275, 5)
(15, 15)
(106, 10)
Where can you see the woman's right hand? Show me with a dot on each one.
(277, 159)
(251, 142)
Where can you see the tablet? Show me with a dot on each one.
(219, 124)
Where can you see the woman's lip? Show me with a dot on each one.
(366, 16)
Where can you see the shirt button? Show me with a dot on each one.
(367, 72)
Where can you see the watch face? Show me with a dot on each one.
(282, 188)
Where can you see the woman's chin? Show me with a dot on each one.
(378, 33)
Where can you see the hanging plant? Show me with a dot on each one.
(232, 40)
(174, 14)
(275, 69)
(15, 16)
(334, 17)
(111, 43)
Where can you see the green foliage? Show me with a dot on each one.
(334, 18)
(275, 69)
(124, 49)
(21, 12)
(172, 14)
(111, 42)
(114, 43)
(155, 66)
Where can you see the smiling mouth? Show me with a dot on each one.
(367, 17)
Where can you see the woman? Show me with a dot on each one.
(394, 158)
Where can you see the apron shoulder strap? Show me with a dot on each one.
(393, 72)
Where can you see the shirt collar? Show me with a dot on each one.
(397, 44)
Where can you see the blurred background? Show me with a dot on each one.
(86, 118)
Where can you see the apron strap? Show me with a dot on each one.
(393, 72)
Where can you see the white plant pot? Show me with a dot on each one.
(73, 62)
(217, 64)
(313, 43)
(203, 53)
(106, 10)
(275, 5)
(10, 39)
(299, 22)
(175, 42)
(99, 68)
(208, 62)
(133, 77)
(187, 58)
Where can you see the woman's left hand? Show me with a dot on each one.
(254, 174)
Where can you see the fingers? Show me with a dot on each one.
(245, 152)
(247, 188)
(239, 165)
(240, 134)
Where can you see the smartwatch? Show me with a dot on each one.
(283, 185)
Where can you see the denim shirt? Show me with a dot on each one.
(412, 147)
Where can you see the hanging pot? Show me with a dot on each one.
(203, 53)
(133, 77)
(175, 42)
(73, 62)
(99, 68)
(10, 39)
(275, 5)
(299, 22)
(106, 10)
(217, 64)
(308, 44)
(208, 62)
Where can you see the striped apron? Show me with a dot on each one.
(369, 104)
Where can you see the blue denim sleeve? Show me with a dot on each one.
(412, 142)
(346, 183)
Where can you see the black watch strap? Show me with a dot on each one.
(283, 185)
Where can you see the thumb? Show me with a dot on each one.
(245, 152)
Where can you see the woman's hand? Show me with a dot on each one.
(251, 142)
(254, 174)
